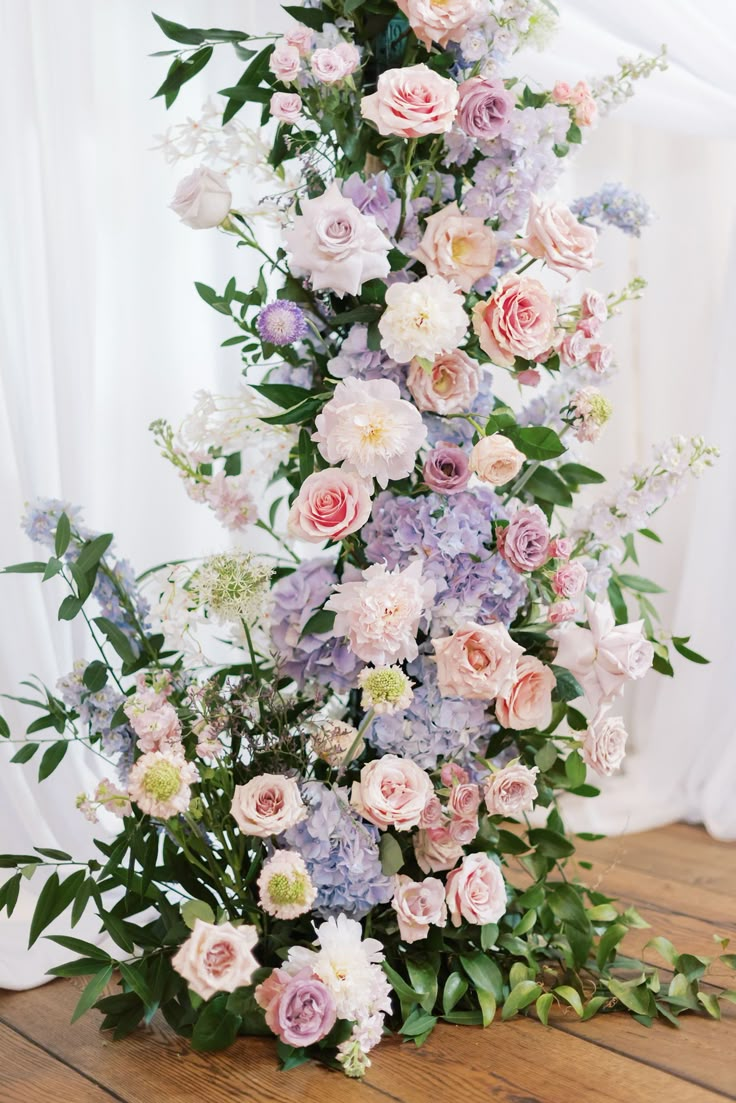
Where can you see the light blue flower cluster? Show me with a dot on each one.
(96, 711)
(614, 205)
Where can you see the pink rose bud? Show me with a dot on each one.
(530, 377)
(451, 773)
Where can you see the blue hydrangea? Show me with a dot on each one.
(341, 854)
(614, 205)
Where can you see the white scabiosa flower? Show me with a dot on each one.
(386, 689)
(160, 783)
(285, 887)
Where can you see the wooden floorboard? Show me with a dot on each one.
(682, 883)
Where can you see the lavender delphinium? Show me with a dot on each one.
(341, 853)
(614, 205)
(282, 323)
(96, 710)
(42, 516)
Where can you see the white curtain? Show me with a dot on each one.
(101, 331)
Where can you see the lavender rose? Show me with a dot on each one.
(446, 469)
(306, 1011)
(485, 107)
(524, 543)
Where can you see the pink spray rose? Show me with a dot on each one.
(570, 580)
(485, 107)
(524, 542)
(285, 62)
(449, 386)
(518, 320)
(604, 743)
(593, 305)
(330, 505)
(300, 37)
(528, 704)
(203, 199)
(477, 662)
(589, 327)
(599, 358)
(337, 246)
(286, 106)
(328, 66)
(300, 1009)
(267, 805)
(350, 55)
(392, 792)
(561, 611)
(433, 814)
(453, 773)
(464, 800)
(419, 905)
(511, 791)
(561, 547)
(446, 469)
(439, 21)
(496, 460)
(435, 849)
(573, 348)
(457, 247)
(411, 102)
(476, 892)
(217, 958)
(553, 234)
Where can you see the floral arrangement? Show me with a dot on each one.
(337, 755)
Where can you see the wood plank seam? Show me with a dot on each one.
(62, 1061)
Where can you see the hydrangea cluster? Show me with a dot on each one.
(502, 29)
(357, 360)
(341, 853)
(614, 205)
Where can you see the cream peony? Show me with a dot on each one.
(217, 958)
(477, 662)
(267, 805)
(392, 792)
(496, 460)
(457, 247)
(422, 319)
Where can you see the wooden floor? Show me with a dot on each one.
(681, 881)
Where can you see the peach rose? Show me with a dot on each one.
(435, 849)
(285, 62)
(457, 247)
(419, 905)
(476, 891)
(392, 792)
(495, 460)
(450, 385)
(553, 234)
(330, 504)
(217, 958)
(267, 805)
(528, 704)
(411, 102)
(439, 21)
(478, 661)
(511, 791)
(518, 320)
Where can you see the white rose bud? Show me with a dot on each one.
(203, 200)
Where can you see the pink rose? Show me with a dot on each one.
(589, 327)
(435, 849)
(562, 92)
(300, 37)
(599, 358)
(419, 905)
(350, 55)
(511, 791)
(330, 505)
(518, 320)
(217, 958)
(449, 386)
(604, 744)
(524, 542)
(553, 234)
(267, 805)
(439, 21)
(285, 62)
(286, 106)
(464, 800)
(392, 792)
(573, 348)
(411, 103)
(485, 107)
(328, 66)
(452, 773)
(496, 460)
(477, 662)
(203, 199)
(593, 305)
(446, 469)
(561, 611)
(570, 580)
(433, 814)
(476, 892)
(457, 247)
(528, 704)
(464, 830)
(561, 547)
(586, 112)
(339, 248)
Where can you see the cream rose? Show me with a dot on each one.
(330, 505)
(439, 21)
(267, 805)
(604, 744)
(457, 247)
(511, 791)
(529, 702)
(392, 792)
(449, 386)
(202, 199)
(419, 905)
(411, 102)
(477, 662)
(553, 234)
(217, 959)
(496, 460)
(476, 891)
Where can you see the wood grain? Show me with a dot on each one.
(30, 1075)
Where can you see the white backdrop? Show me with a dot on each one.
(101, 331)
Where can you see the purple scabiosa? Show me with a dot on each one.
(282, 323)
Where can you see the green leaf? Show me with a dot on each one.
(9, 893)
(52, 756)
(419, 1022)
(216, 1028)
(710, 1003)
(70, 607)
(54, 898)
(392, 858)
(95, 676)
(117, 639)
(602, 913)
(322, 621)
(640, 585)
(92, 992)
(34, 567)
(193, 910)
(423, 976)
(54, 855)
(664, 948)
(488, 935)
(528, 920)
(4, 728)
(178, 33)
(406, 994)
(546, 756)
(26, 752)
(93, 551)
(487, 1004)
(568, 687)
(548, 487)
(536, 442)
(550, 843)
(608, 942)
(314, 18)
(569, 995)
(520, 996)
(618, 602)
(687, 652)
(574, 134)
(566, 903)
(455, 988)
(543, 1005)
(484, 973)
(180, 71)
(282, 394)
(638, 999)
(63, 535)
(651, 535)
(135, 981)
(575, 769)
(578, 475)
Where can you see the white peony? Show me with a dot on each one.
(422, 319)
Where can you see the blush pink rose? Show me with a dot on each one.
(286, 106)
(300, 37)
(496, 460)
(562, 92)
(561, 547)
(449, 386)
(599, 358)
(419, 905)
(464, 829)
(485, 107)
(589, 327)
(453, 773)
(554, 235)
(439, 21)
(524, 542)
(528, 704)
(392, 792)
(433, 814)
(285, 62)
(604, 744)
(570, 580)
(518, 320)
(476, 892)
(328, 66)
(203, 199)
(267, 805)
(573, 348)
(561, 611)
(435, 849)
(217, 958)
(330, 505)
(464, 800)
(512, 790)
(476, 662)
(593, 305)
(411, 103)
(457, 247)
(586, 112)
(350, 55)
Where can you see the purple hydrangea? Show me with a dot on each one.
(614, 205)
(356, 359)
(341, 853)
(319, 657)
(282, 323)
(375, 196)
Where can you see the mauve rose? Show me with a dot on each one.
(599, 358)
(476, 891)
(496, 460)
(330, 505)
(511, 791)
(478, 661)
(457, 247)
(306, 1010)
(439, 21)
(485, 107)
(328, 66)
(553, 234)
(524, 542)
(419, 905)
(203, 199)
(267, 805)
(449, 386)
(286, 106)
(285, 62)
(392, 792)
(518, 320)
(217, 958)
(411, 102)
(562, 611)
(570, 580)
(528, 704)
(604, 744)
(446, 469)
(435, 849)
